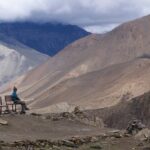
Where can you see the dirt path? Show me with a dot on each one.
(23, 127)
(29, 128)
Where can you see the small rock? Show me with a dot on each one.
(127, 135)
(56, 147)
(77, 110)
(3, 122)
(35, 114)
(55, 119)
(112, 138)
(140, 144)
(96, 147)
(94, 139)
(49, 117)
(66, 114)
(77, 140)
(116, 134)
(69, 144)
(146, 148)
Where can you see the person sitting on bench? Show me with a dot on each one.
(17, 100)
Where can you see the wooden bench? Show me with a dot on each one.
(10, 103)
(1, 105)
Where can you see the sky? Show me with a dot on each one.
(97, 16)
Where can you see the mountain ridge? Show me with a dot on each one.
(47, 38)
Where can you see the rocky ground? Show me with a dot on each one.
(66, 131)
(110, 141)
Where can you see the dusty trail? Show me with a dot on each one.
(26, 127)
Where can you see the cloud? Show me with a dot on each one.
(90, 14)
(100, 28)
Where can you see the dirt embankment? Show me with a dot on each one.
(120, 115)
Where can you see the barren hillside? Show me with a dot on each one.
(95, 52)
(94, 72)
(97, 89)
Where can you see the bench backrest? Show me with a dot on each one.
(1, 101)
(8, 99)
(0, 105)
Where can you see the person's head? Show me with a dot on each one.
(15, 89)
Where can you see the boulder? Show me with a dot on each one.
(135, 126)
(143, 135)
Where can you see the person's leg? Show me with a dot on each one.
(23, 106)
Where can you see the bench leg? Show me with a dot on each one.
(8, 110)
(15, 108)
(0, 110)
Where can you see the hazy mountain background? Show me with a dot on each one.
(47, 38)
(25, 45)
(16, 59)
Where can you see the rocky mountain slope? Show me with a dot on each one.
(16, 59)
(120, 115)
(48, 38)
(98, 89)
(94, 72)
(128, 41)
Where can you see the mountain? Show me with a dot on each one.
(16, 59)
(94, 90)
(94, 52)
(94, 72)
(48, 38)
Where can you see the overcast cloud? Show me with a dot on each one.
(93, 15)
